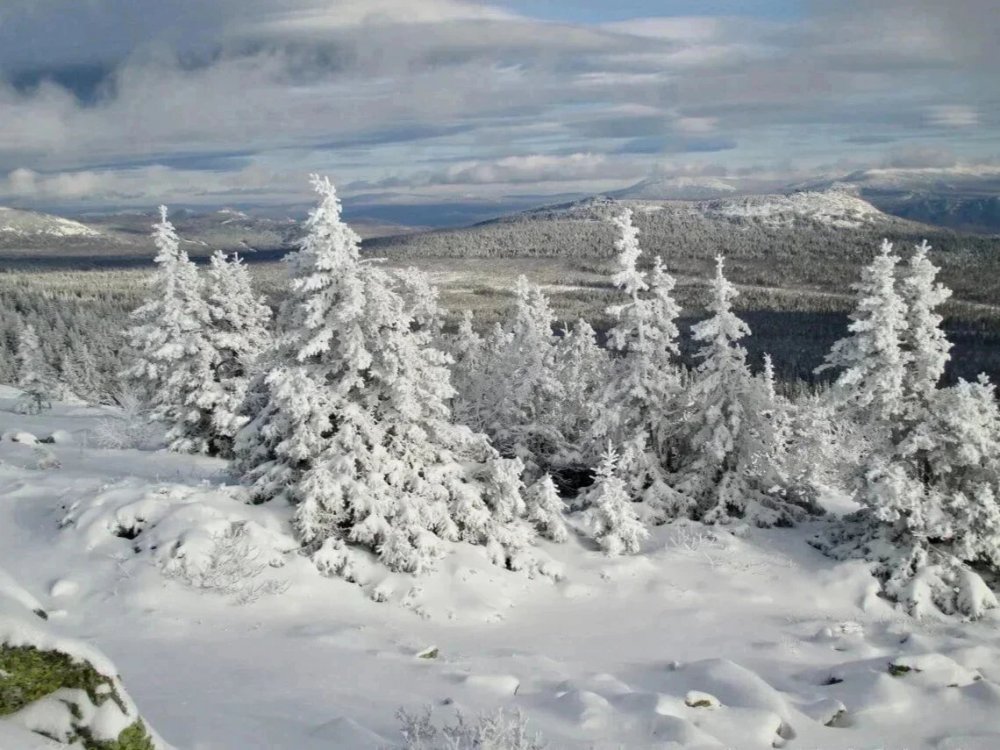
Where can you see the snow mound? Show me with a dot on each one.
(64, 587)
(207, 538)
(497, 684)
(20, 436)
(834, 208)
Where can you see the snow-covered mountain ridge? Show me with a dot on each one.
(18, 223)
(835, 208)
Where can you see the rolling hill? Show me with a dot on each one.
(812, 241)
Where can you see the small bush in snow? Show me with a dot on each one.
(233, 567)
(130, 428)
(611, 513)
(34, 376)
(545, 509)
(500, 730)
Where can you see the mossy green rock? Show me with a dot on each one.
(28, 674)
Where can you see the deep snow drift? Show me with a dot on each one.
(710, 638)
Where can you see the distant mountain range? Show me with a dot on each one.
(127, 234)
(961, 198)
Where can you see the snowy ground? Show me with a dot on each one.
(766, 640)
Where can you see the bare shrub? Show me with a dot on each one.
(132, 428)
(233, 567)
(499, 730)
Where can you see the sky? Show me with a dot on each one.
(110, 104)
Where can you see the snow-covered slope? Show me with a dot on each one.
(15, 223)
(964, 197)
(713, 638)
(835, 208)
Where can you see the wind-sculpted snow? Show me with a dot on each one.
(729, 637)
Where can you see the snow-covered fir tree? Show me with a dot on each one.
(511, 390)
(468, 354)
(923, 340)
(34, 376)
(871, 360)
(959, 448)
(582, 369)
(546, 509)
(640, 403)
(235, 336)
(352, 423)
(81, 372)
(727, 468)
(928, 481)
(611, 514)
(173, 362)
(821, 450)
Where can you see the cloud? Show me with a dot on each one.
(952, 116)
(149, 185)
(920, 156)
(97, 96)
(515, 170)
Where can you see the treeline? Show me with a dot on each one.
(81, 331)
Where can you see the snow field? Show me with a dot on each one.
(710, 639)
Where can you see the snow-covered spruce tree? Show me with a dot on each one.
(514, 396)
(352, 424)
(582, 369)
(728, 467)
(34, 376)
(640, 403)
(468, 353)
(923, 341)
(236, 335)
(928, 484)
(610, 513)
(81, 373)
(949, 464)
(871, 360)
(546, 509)
(174, 365)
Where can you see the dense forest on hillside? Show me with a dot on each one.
(802, 252)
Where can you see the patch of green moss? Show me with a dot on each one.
(28, 674)
(132, 737)
(898, 670)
